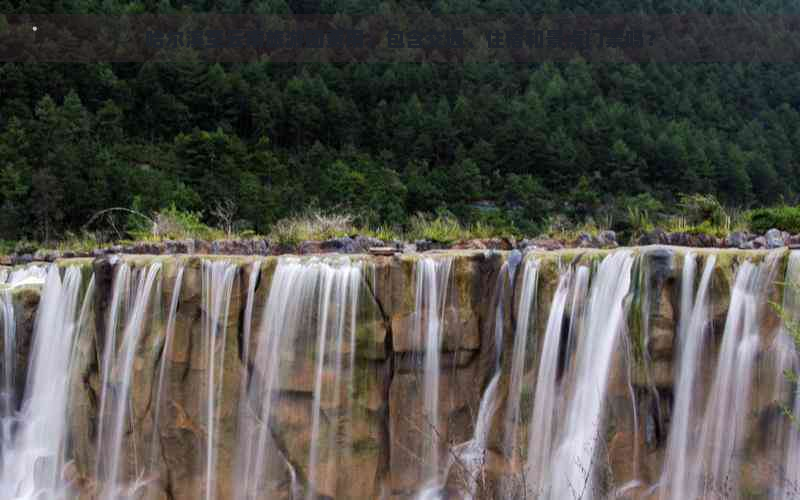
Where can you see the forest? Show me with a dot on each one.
(521, 147)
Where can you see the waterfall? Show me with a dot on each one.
(334, 373)
(542, 425)
(160, 395)
(471, 453)
(311, 306)
(217, 285)
(24, 276)
(573, 463)
(121, 285)
(33, 460)
(338, 304)
(784, 344)
(692, 326)
(525, 318)
(116, 387)
(726, 410)
(432, 277)
(8, 396)
(242, 424)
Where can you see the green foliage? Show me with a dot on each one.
(387, 140)
(561, 228)
(175, 224)
(640, 216)
(7, 246)
(83, 242)
(312, 225)
(785, 218)
(383, 233)
(707, 227)
(700, 208)
(443, 228)
(639, 221)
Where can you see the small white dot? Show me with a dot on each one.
(35, 28)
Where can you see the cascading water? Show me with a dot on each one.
(338, 304)
(247, 329)
(307, 426)
(218, 277)
(724, 421)
(542, 426)
(692, 334)
(121, 286)
(789, 438)
(34, 456)
(8, 396)
(785, 361)
(470, 455)
(525, 318)
(24, 276)
(432, 278)
(311, 306)
(572, 470)
(160, 394)
(116, 388)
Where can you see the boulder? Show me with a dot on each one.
(310, 247)
(362, 244)
(541, 244)
(775, 238)
(425, 245)
(239, 247)
(339, 245)
(22, 259)
(607, 239)
(202, 247)
(737, 239)
(179, 246)
(707, 240)
(586, 240)
(655, 237)
(46, 255)
(282, 248)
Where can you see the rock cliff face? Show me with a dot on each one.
(222, 377)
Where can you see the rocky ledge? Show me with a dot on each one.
(358, 244)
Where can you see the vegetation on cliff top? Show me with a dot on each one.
(501, 148)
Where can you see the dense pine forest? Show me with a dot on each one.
(516, 146)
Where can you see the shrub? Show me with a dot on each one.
(312, 225)
(702, 207)
(86, 241)
(561, 228)
(443, 228)
(7, 246)
(706, 227)
(383, 233)
(172, 223)
(785, 218)
(639, 221)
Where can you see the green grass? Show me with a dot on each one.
(383, 233)
(83, 242)
(559, 228)
(311, 226)
(174, 224)
(441, 229)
